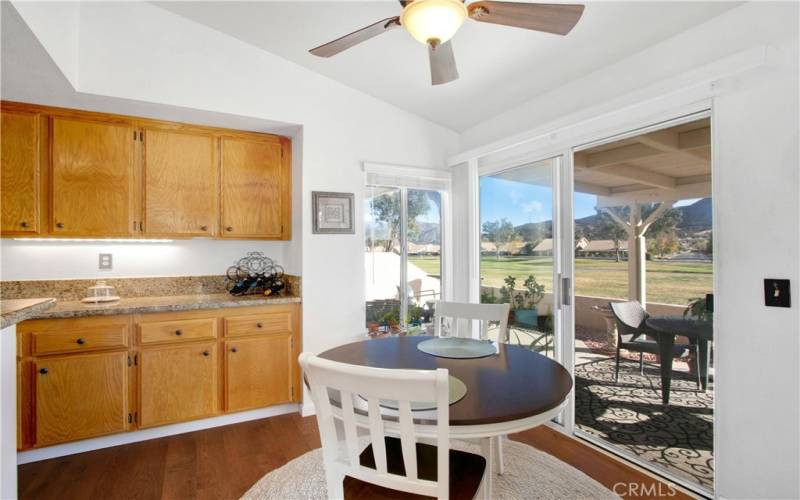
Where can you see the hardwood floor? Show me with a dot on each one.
(222, 463)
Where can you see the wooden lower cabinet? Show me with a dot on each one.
(177, 383)
(87, 377)
(80, 396)
(258, 372)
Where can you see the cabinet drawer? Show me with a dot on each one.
(80, 340)
(177, 331)
(273, 322)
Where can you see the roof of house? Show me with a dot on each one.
(604, 246)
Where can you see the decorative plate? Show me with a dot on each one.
(457, 348)
(457, 392)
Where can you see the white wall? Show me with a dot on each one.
(140, 52)
(757, 225)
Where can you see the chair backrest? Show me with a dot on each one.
(358, 383)
(463, 313)
(630, 317)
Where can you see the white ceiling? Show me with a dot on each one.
(500, 66)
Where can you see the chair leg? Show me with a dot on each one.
(641, 363)
(498, 447)
(335, 485)
(616, 371)
(487, 450)
(697, 367)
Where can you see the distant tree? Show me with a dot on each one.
(501, 233)
(710, 244)
(613, 231)
(664, 244)
(386, 208)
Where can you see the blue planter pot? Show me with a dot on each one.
(527, 318)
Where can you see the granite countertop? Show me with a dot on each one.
(14, 311)
(75, 309)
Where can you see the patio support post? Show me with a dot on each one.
(636, 256)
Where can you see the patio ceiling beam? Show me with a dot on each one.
(640, 175)
(588, 187)
(625, 195)
(646, 145)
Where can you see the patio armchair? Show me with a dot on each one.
(631, 335)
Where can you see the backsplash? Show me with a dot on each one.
(126, 287)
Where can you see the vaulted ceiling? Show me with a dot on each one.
(500, 67)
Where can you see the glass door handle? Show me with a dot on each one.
(566, 283)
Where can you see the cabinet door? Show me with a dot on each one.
(20, 172)
(180, 183)
(92, 178)
(252, 184)
(177, 384)
(81, 396)
(258, 372)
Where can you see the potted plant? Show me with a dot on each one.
(526, 313)
(508, 296)
(698, 309)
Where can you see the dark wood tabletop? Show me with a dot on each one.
(515, 383)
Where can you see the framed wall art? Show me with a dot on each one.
(333, 213)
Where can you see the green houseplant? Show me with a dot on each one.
(526, 313)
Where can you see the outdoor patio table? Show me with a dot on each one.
(665, 329)
(511, 391)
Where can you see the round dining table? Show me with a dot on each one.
(510, 391)
(665, 329)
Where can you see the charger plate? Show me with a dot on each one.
(458, 390)
(457, 348)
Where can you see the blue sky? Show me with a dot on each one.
(521, 203)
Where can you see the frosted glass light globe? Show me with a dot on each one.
(433, 21)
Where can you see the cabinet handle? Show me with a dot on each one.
(60, 225)
(259, 325)
(204, 228)
(178, 333)
(23, 224)
(44, 371)
(229, 228)
(81, 341)
(205, 353)
(233, 349)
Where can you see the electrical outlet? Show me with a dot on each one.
(776, 293)
(105, 261)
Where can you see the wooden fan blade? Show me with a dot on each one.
(443, 63)
(332, 48)
(550, 18)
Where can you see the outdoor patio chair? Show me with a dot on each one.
(631, 335)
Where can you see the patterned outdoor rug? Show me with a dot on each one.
(629, 415)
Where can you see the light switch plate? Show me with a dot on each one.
(777, 293)
(105, 261)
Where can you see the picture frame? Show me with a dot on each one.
(333, 212)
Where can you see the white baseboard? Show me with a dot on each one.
(61, 450)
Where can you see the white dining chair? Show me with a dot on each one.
(462, 314)
(395, 458)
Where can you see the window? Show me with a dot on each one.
(403, 230)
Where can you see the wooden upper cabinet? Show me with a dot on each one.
(92, 178)
(180, 183)
(19, 151)
(253, 186)
(80, 396)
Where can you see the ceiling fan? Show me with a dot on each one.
(434, 22)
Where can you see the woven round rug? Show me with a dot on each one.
(529, 473)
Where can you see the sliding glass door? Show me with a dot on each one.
(519, 250)
(403, 259)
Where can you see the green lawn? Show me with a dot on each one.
(667, 282)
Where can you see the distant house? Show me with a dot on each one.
(513, 248)
(545, 247)
(601, 248)
(427, 249)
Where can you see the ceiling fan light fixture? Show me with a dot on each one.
(433, 22)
